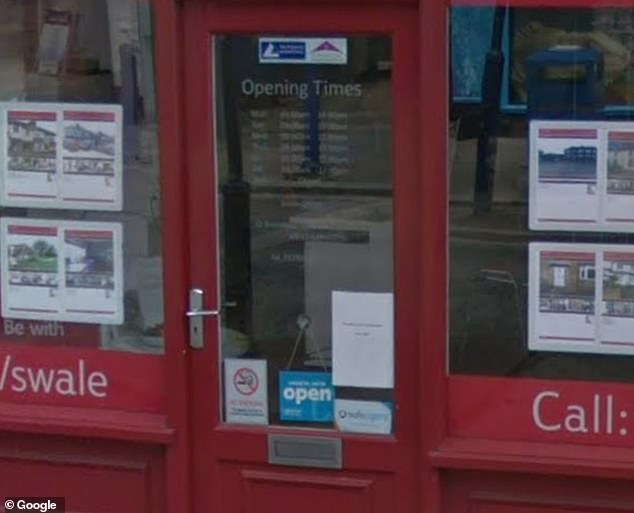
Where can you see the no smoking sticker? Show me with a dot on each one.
(246, 395)
(246, 381)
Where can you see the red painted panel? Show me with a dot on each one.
(277, 489)
(85, 488)
(505, 507)
(542, 410)
(542, 3)
(481, 492)
(272, 492)
(93, 477)
(63, 376)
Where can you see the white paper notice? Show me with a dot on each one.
(57, 155)
(246, 392)
(581, 298)
(363, 339)
(61, 271)
(564, 160)
(564, 279)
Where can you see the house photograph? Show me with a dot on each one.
(567, 284)
(620, 163)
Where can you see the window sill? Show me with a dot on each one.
(531, 457)
(86, 423)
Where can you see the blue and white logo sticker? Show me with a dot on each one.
(284, 51)
(363, 416)
(306, 396)
(310, 50)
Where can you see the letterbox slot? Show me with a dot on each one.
(303, 451)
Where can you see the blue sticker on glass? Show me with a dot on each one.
(282, 50)
(306, 396)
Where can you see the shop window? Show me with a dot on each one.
(80, 222)
(541, 246)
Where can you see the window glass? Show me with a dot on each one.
(93, 52)
(540, 192)
(305, 195)
(80, 214)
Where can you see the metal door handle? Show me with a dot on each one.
(194, 313)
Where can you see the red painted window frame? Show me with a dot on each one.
(125, 423)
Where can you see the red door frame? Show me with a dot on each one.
(248, 445)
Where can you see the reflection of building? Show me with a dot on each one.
(27, 137)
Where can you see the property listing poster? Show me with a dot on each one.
(61, 156)
(581, 298)
(581, 176)
(564, 176)
(61, 270)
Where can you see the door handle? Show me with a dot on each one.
(195, 315)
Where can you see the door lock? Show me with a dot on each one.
(195, 315)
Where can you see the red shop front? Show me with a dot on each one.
(206, 206)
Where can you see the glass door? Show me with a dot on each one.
(302, 165)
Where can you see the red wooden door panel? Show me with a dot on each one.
(495, 492)
(230, 462)
(266, 490)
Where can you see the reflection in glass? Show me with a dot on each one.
(543, 63)
(305, 188)
(95, 51)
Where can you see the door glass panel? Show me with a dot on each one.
(304, 168)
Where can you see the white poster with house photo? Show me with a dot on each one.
(30, 151)
(581, 298)
(62, 270)
(61, 156)
(562, 297)
(92, 158)
(30, 266)
(564, 175)
(618, 207)
(616, 325)
(93, 272)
